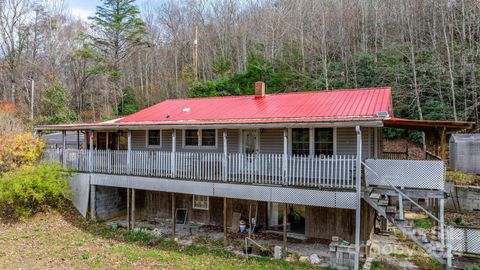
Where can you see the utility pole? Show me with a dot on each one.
(32, 99)
(195, 54)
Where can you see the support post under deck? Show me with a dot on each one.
(284, 246)
(225, 236)
(173, 215)
(358, 179)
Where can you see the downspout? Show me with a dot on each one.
(358, 175)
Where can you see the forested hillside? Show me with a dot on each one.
(130, 56)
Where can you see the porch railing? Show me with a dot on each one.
(262, 169)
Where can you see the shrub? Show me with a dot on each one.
(31, 189)
(19, 149)
(472, 267)
(423, 223)
(137, 236)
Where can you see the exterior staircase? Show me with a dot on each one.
(379, 200)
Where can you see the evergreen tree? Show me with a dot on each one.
(56, 104)
(118, 29)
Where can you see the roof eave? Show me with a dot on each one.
(123, 126)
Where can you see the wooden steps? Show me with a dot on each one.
(379, 200)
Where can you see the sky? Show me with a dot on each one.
(84, 8)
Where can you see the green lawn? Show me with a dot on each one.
(65, 240)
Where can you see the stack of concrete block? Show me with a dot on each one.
(342, 253)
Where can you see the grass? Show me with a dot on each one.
(427, 263)
(66, 240)
(423, 223)
(399, 255)
(472, 267)
(463, 179)
(383, 265)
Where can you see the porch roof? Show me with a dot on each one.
(427, 125)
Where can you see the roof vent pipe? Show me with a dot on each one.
(259, 89)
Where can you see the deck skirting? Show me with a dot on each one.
(313, 197)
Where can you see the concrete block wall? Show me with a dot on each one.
(462, 198)
(110, 202)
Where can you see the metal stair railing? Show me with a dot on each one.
(402, 193)
(444, 233)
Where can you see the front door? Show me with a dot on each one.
(250, 142)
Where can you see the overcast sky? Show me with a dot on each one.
(85, 8)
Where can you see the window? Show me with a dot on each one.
(324, 141)
(191, 137)
(208, 137)
(300, 141)
(200, 137)
(200, 202)
(154, 138)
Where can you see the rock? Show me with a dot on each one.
(314, 259)
(291, 259)
(303, 259)
(156, 232)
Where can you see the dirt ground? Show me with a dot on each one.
(64, 240)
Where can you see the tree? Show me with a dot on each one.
(118, 30)
(56, 104)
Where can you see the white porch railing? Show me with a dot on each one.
(261, 169)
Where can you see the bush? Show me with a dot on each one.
(19, 149)
(31, 189)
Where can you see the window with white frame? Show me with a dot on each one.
(300, 141)
(200, 202)
(200, 137)
(154, 138)
(313, 141)
(323, 141)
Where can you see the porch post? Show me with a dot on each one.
(174, 149)
(129, 152)
(443, 142)
(78, 139)
(225, 166)
(285, 153)
(64, 145)
(442, 221)
(358, 179)
(90, 151)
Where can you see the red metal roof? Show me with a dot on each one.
(296, 107)
(353, 103)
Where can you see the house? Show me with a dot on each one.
(315, 156)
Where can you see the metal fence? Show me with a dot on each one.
(264, 169)
(465, 240)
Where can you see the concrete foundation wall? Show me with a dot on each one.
(110, 202)
(462, 198)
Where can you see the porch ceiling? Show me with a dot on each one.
(427, 125)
